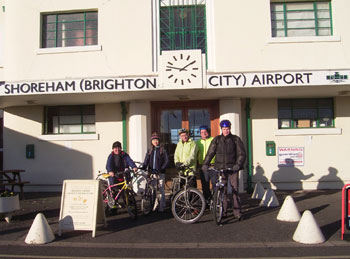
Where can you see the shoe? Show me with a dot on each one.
(239, 218)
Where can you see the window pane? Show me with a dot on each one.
(89, 128)
(70, 120)
(70, 129)
(196, 118)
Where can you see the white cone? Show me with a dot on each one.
(40, 231)
(289, 211)
(258, 191)
(269, 199)
(308, 231)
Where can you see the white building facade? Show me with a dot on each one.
(78, 75)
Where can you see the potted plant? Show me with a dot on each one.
(9, 202)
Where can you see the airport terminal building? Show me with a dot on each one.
(78, 75)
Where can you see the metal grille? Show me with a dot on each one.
(182, 26)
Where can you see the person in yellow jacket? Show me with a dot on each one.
(203, 145)
(186, 153)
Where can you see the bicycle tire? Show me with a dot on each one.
(191, 211)
(147, 200)
(175, 188)
(218, 208)
(110, 208)
(131, 205)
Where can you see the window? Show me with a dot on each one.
(69, 29)
(305, 113)
(292, 19)
(182, 25)
(69, 119)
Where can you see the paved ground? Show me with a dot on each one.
(259, 229)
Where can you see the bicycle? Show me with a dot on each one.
(188, 203)
(217, 203)
(112, 193)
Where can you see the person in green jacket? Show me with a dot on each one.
(203, 145)
(186, 153)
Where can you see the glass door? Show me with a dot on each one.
(169, 117)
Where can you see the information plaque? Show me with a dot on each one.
(81, 206)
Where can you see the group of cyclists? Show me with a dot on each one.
(225, 151)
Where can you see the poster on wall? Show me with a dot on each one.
(291, 156)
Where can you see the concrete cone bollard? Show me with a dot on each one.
(40, 231)
(269, 199)
(289, 211)
(308, 231)
(259, 191)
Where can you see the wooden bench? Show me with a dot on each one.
(12, 178)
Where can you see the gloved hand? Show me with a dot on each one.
(205, 168)
(235, 168)
(178, 166)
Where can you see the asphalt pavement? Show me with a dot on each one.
(259, 229)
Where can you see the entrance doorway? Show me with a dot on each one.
(169, 117)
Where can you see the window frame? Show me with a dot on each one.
(292, 119)
(285, 21)
(56, 31)
(48, 127)
(170, 34)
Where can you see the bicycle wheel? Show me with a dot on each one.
(147, 200)
(218, 208)
(131, 204)
(175, 187)
(111, 208)
(188, 206)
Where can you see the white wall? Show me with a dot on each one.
(324, 154)
(62, 159)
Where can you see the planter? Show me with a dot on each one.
(8, 205)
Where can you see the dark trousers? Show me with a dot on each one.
(231, 190)
(205, 178)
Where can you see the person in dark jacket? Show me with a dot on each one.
(117, 162)
(156, 161)
(230, 155)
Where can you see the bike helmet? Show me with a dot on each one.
(225, 124)
(183, 130)
(204, 127)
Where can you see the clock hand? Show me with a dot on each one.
(174, 67)
(184, 68)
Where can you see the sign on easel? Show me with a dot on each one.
(81, 206)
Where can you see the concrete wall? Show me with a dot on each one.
(57, 160)
(324, 153)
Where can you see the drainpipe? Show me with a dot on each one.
(124, 112)
(249, 146)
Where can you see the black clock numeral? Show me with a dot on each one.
(170, 76)
(193, 75)
(175, 80)
(188, 80)
(182, 82)
(188, 57)
(195, 68)
(175, 58)
(168, 69)
(181, 56)
(170, 63)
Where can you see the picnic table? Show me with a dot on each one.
(12, 177)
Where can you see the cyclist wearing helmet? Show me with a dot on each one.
(203, 145)
(156, 161)
(117, 161)
(186, 153)
(230, 154)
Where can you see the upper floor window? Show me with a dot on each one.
(69, 29)
(305, 113)
(306, 18)
(183, 25)
(69, 119)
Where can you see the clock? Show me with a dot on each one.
(182, 68)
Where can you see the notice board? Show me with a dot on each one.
(81, 206)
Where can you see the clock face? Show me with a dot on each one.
(182, 68)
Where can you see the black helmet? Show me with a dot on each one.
(183, 130)
(117, 144)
